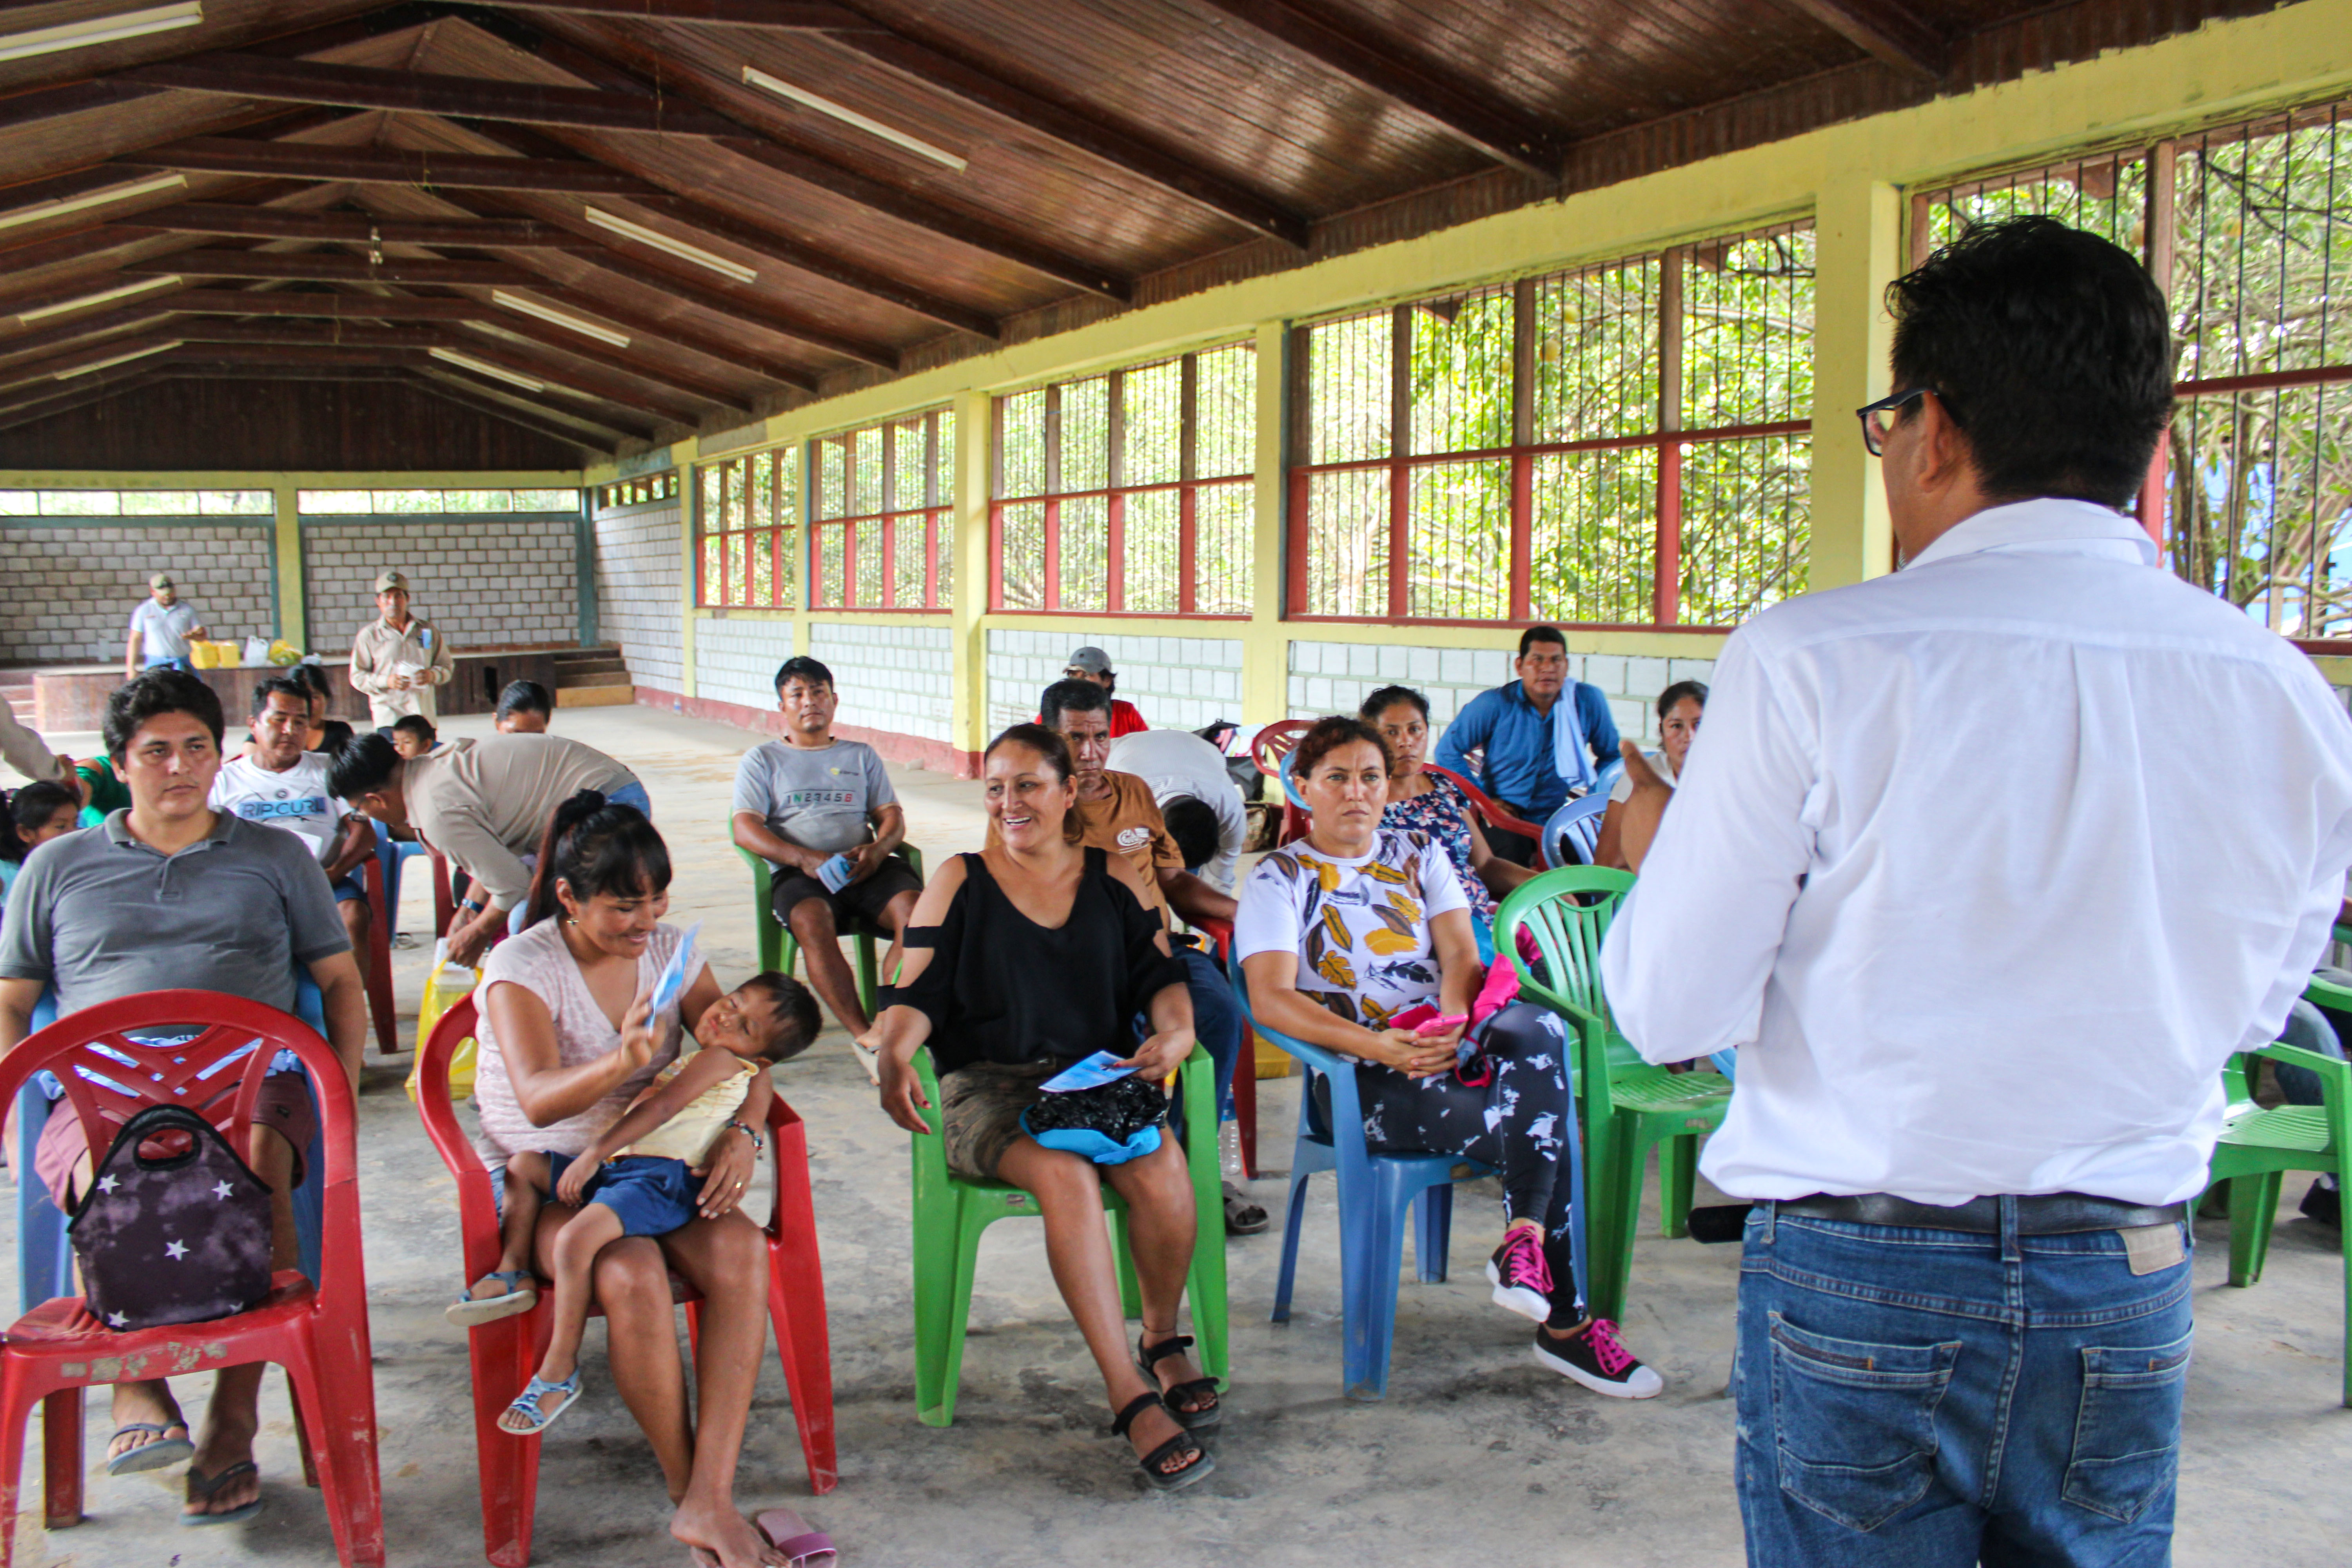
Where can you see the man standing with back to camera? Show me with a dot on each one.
(1982, 1012)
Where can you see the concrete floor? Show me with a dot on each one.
(1477, 1456)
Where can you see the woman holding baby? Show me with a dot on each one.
(568, 1041)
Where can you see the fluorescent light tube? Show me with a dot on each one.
(92, 30)
(560, 317)
(118, 358)
(848, 116)
(97, 198)
(103, 296)
(678, 247)
(480, 367)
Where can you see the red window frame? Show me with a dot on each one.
(1187, 490)
(736, 534)
(884, 531)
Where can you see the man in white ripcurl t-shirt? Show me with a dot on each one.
(1943, 869)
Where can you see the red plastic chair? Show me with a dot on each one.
(1489, 814)
(319, 1335)
(1272, 744)
(379, 970)
(506, 1352)
(1245, 1070)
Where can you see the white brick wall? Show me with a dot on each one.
(899, 678)
(1336, 678)
(70, 592)
(1180, 683)
(482, 581)
(735, 661)
(638, 578)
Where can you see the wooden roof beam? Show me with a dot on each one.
(304, 303)
(446, 391)
(386, 165)
(733, 355)
(1469, 114)
(76, 363)
(415, 92)
(358, 228)
(774, 15)
(1885, 30)
(594, 383)
(741, 307)
(752, 142)
(103, 324)
(317, 266)
(97, 388)
(1079, 129)
(512, 403)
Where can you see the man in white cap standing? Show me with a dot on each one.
(161, 629)
(397, 659)
(1093, 664)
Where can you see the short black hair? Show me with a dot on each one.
(1071, 697)
(2050, 347)
(314, 676)
(415, 724)
(28, 811)
(1192, 823)
(1535, 634)
(1388, 697)
(801, 666)
(1328, 735)
(361, 765)
(158, 691)
(797, 1022)
(525, 696)
(1677, 691)
(284, 686)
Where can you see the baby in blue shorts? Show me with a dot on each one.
(643, 1177)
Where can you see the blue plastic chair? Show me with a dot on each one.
(1574, 830)
(1375, 1190)
(43, 1251)
(391, 852)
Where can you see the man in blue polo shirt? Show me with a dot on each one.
(1539, 740)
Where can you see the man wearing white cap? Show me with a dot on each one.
(397, 659)
(161, 629)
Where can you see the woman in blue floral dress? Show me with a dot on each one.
(1422, 802)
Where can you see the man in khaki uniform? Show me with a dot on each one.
(397, 659)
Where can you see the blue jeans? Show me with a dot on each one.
(1216, 1021)
(2315, 1029)
(1917, 1398)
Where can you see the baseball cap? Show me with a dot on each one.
(1093, 661)
(387, 580)
(161, 580)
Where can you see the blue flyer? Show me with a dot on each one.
(671, 984)
(1097, 1070)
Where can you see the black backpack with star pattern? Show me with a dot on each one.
(174, 1227)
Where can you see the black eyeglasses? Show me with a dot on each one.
(1873, 428)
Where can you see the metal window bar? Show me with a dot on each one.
(748, 531)
(1128, 493)
(881, 525)
(2248, 228)
(1622, 445)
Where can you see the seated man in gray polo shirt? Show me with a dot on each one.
(803, 800)
(169, 894)
(484, 806)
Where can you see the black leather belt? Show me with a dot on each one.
(2048, 1214)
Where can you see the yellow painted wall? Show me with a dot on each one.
(1849, 178)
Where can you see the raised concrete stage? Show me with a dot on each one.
(73, 697)
(1477, 1456)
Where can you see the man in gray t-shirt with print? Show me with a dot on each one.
(820, 810)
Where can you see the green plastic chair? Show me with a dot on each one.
(779, 948)
(951, 1213)
(2258, 1147)
(1629, 1106)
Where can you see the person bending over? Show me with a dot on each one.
(638, 1177)
(413, 735)
(1422, 802)
(1180, 765)
(804, 801)
(555, 1072)
(1641, 793)
(1033, 954)
(485, 805)
(1356, 927)
(525, 708)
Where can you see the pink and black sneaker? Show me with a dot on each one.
(1597, 1359)
(1521, 1278)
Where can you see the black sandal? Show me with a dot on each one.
(1195, 1420)
(1184, 1442)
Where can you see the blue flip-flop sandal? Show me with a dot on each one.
(152, 1455)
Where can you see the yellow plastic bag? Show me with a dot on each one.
(443, 988)
(282, 652)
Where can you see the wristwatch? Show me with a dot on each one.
(472, 908)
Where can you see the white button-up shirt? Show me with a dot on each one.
(1987, 866)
